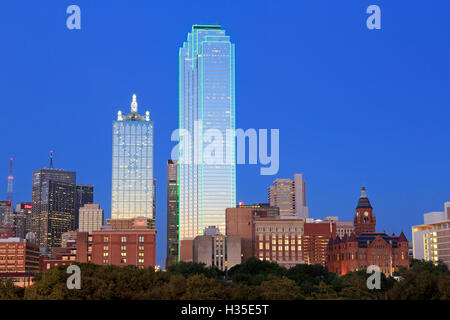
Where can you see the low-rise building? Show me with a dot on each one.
(215, 249)
(431, 240)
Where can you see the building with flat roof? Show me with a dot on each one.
(215, 249)
(431, 240)
(18, 258)
(90, 218)
(290, 196)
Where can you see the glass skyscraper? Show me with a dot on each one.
(207, 105)
(132, 166)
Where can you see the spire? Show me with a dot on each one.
(363, 192)
(51, 159)
(9, 192)
(134, 104)
(363, 200)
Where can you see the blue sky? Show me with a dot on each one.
(354, 106)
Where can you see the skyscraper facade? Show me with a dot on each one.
(132, 166)
(53, 205)
(207, 113)
(84, 195)
(22, 219)
(91, 218)
(172, 213)
(290, 196)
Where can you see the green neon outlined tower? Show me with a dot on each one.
(207, 102)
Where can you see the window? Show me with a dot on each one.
(140, 254)
(123, 254)
(124, 239)
(105, 254)
(105, 248)
(105, 239)
(123, 260)
(141, 238)
(141, 247)
(123, 248)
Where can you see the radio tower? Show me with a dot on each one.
(9, 192)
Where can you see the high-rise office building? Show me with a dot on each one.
(84, 195)
(6, 213)
(91, 218)
(290, 196)
(53, 205)
(172, 213)
(22, 219)
(207, 168)
(132, 166)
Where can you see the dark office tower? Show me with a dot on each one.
(6, 220)
(84, 195)
(53, 201)
(22, 219)
(172, 213)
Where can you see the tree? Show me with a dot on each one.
(199, 287)
(278, 288)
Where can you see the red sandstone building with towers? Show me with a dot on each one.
(365, 247)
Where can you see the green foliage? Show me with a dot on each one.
(254, 271)
(8, 291)
(254, 279)
(187, 269)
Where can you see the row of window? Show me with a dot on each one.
(123, 239)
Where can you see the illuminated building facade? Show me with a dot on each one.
(53, 205)
(22, 219)
(207, 106)
(366, 247)
(132, 166)
(84, 195)
(431, 240)
(290, 196)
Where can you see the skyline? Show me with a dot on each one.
(382, 142)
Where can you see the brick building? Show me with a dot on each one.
(366, 247)
(19, 260)
(315, 238)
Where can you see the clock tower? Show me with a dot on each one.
(364, 220)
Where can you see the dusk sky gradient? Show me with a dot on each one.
(354, 106)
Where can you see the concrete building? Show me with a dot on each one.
(68, 236)
(215, 249)
(91, 218)
(290, 196)
(431, 240)
(240, 222)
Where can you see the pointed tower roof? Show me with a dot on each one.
(402, 237)
(363, 200)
